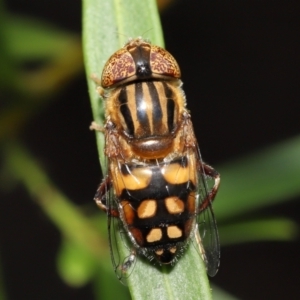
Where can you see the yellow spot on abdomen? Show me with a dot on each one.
(174, 205)
(138, 178)
(176, 174)
(154, 235)
(159, 252)
(147, 209)
(174, 232)
(173, 250)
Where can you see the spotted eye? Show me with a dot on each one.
(139, 60)
(119, 67)
(163, 63)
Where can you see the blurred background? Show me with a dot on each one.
(240, 67)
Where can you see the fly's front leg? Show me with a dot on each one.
(95, 126)
(99, 89)
(102, 196)
(211, 172)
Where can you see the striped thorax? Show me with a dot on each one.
(148, 115)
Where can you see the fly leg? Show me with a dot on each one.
(95, 126)
(102, 195)
(209, 171)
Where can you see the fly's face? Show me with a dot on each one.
(156, 187)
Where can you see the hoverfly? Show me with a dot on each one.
(156, 189)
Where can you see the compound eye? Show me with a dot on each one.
(119, 67)
(139, 60)
(163, 63)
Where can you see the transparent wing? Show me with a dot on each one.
(207, 236)
(122, 256)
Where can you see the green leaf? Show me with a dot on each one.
(258, 180)
(258, 230)
(76, 226)
(106, 26)
(75, 265)
(46, 41)
(57, 54)
(186, 280)
(219, 294)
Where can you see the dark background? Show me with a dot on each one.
(240, 66)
